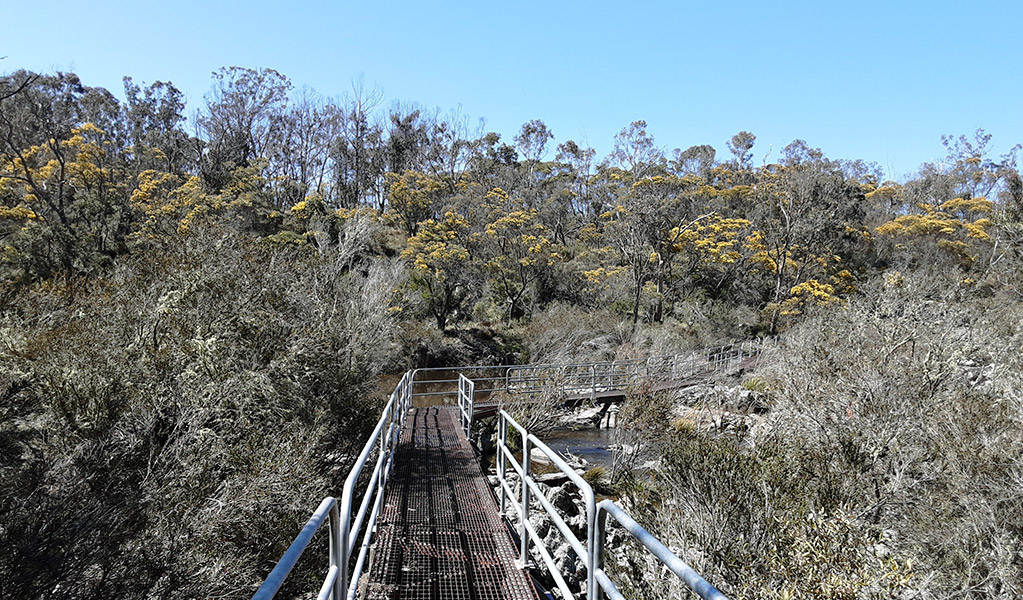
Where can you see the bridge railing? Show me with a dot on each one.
(529, 491)
(591, 553)
(668, 558)
(383, 443)
(345, 525)
(330, 588)
(581, 378)
(466, 402)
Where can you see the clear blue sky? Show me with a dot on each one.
(877, 80)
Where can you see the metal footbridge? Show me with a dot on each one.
(417, 518)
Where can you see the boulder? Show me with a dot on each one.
(564, 500)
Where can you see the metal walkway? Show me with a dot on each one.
(416, 518)
(439, 535)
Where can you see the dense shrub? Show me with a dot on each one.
(889, 466)
(165, 433)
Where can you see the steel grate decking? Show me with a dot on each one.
(439, 535)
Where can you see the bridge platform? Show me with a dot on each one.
(440, 535)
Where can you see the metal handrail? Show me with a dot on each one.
(344, 532)
(589, 378)
(506, 457)
(675, 564)
(598, 583)
(392, 419)
(326, 510)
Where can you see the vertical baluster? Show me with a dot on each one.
(334, 522)
(597, 554)
(524, 533)
(502, 439)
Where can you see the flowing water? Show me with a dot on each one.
(591, 444)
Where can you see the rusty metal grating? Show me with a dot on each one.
(439, 535)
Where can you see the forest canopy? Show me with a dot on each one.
(486, 226)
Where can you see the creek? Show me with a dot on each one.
(591, 444)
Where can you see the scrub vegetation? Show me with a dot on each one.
(195, 315)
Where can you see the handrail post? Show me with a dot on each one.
(462, 404)
(337, 590)
(523, 532)
(593, 544)
(597, 551)
(466, 403)
(344, 530)
(408, 390)
(502, 440)
(472, 406)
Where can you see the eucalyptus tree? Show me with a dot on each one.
(359, 152)
(408, 136)
(154, 116)
(493, 164)
(238, 121)
(695, 160)
(452, 149)
(809, 220)
(634, 150)
(298, 159)
(741, 147)
(575, 164)
(63, 199)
